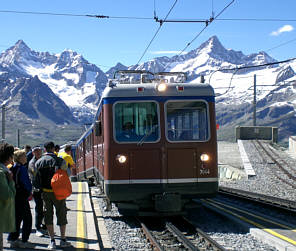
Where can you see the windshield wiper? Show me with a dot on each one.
(147, 134)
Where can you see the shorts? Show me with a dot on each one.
(50, 201)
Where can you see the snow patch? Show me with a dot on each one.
(279, 104)
(72, 76)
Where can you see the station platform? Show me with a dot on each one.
(233, 162)
(85, 229)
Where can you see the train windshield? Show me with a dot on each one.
(187, 121)
(134, 121)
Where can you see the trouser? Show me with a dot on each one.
(22, 214)
(50, 202)
(38, 210)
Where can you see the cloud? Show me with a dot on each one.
(166, 52)
(285, 28)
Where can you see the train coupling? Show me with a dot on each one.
(168, 202)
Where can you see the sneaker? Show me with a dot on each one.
(14, 244)
(65, 244)
(26, 244)
(39, 233)
(52, 246)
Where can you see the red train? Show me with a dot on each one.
(153, 147)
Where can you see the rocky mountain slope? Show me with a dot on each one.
(64, 89)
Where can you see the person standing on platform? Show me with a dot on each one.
(57, 149)
(22, 207)
(66, 155)
(46, 167)
(7, 192)
(39, 215)
(29, 154)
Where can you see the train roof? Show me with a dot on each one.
(150, 89)
(84, 135)
(147, 86)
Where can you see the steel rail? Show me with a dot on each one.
(211, 243)
(150, 237)
(280, 167)
(282, 160)
(261, 198)
(181, 237)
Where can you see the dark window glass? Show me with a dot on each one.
(187, 121)
(136, 122)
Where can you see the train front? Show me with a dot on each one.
(160, 146)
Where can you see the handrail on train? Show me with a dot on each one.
(143, 76)
(163, 73)
(131, 72)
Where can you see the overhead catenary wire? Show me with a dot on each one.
(236, 69)
(166, 20)
(207, 24)
(73, 15)
(156, 32)
(147, 18)
(257, 19)
(280, 45)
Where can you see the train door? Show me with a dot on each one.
(82, 174)
(137, 125)
(100, 146)
(186, 127)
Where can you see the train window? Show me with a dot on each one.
(136, 122)
(187, 121)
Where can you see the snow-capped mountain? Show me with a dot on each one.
(117, 67)
(72, 78)
(33, 98)
(276, 96)
(78, 84)
(208, 57)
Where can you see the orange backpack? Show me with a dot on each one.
(61, 185)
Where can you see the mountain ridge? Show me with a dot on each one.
(77, 84)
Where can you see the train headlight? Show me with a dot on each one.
(161, 87)
(204, 157)
(121, 158)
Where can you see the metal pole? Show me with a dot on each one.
(254, 103)
(18, 138)
(3, 123)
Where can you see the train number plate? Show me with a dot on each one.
(204, 171)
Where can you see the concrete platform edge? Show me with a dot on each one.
(89, 221)
(281, 245)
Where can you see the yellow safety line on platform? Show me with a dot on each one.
(253, 223)
(80, 233)
(254, 215)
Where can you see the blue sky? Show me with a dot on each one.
(105, 42)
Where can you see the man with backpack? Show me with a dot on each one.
(37, 153)
(46, 168)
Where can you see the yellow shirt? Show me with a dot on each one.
(67, 158)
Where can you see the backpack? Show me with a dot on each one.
(61, 184)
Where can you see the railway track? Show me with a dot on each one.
(177, 234)
(268, 227)
(283, 204)
(284, 171)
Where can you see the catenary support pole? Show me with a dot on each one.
(254, 102)
(18, 138)
(3, 123)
